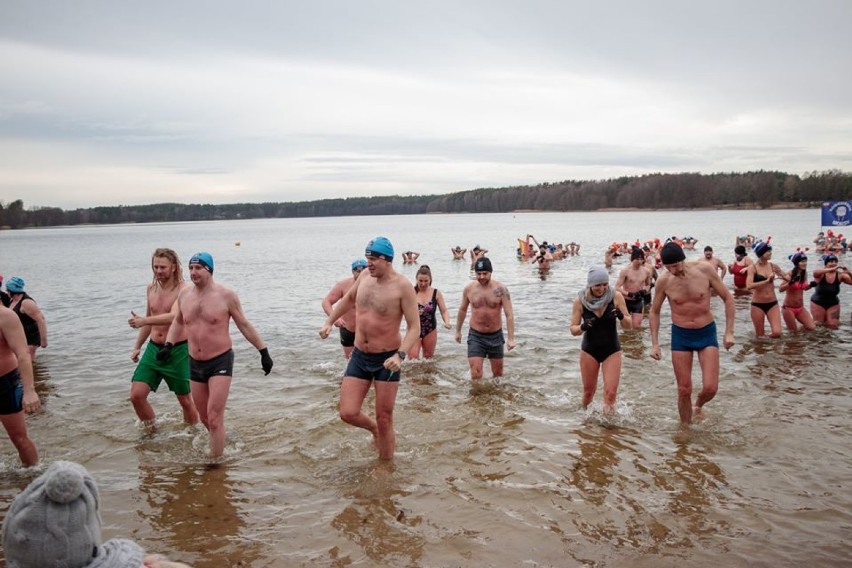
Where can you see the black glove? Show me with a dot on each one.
(165, 352)
(587, 323)
(265, 360)
(618, 313)
(812, 284)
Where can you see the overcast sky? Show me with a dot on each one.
(121, 103)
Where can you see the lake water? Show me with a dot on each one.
(516, 475)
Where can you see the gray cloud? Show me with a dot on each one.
(290, 100)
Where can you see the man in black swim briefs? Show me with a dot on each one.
(688, 287)
(633, 281)
(204, 314)
(17, 386)
(382, 298)
(346, 322)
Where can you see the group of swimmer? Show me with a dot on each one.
(368, 309)
(186, 326)
(832, 242)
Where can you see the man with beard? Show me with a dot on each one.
(162, 296)
(488, 299)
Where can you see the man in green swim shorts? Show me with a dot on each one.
(154, 326)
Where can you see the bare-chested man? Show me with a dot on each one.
(488, 299)
(382, 301)
(476, 253)
(634, 281)
(16, 385)
(162, 296)
(346, 322)
(715, 262)
(458, 253)
(688, 288)
(204, 313)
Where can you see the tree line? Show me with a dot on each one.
(761, 189)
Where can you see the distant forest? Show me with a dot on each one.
(655, 191)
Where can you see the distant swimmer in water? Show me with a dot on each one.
(739, 269)
(410, 257)
(160, 310)
(794, 285)
(458, 253)
(687, 287)
(825, 305)
(544, 258)
(760, 279)
(345, 323)
(596, 310)
(476, 253)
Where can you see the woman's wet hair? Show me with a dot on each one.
(424, 269)
(168, 253)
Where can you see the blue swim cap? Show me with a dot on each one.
(380, 247)
(204, 259)
(15, 285)
(359, 264)
(826, 258)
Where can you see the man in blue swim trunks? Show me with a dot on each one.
(489, 299)
(382, 300)
(689, 287)
(17, 390)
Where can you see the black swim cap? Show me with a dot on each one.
(671, 253)
(483, 265)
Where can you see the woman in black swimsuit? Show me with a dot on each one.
(760, 279)
(825, 305)
(596, 310)
(429, 301)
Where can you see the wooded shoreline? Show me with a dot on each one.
(686, 191)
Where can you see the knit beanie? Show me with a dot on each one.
(55, 522)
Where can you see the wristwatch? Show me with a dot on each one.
(401, 355)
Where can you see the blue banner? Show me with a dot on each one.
(836, 213)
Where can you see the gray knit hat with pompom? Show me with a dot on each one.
(55, 522)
